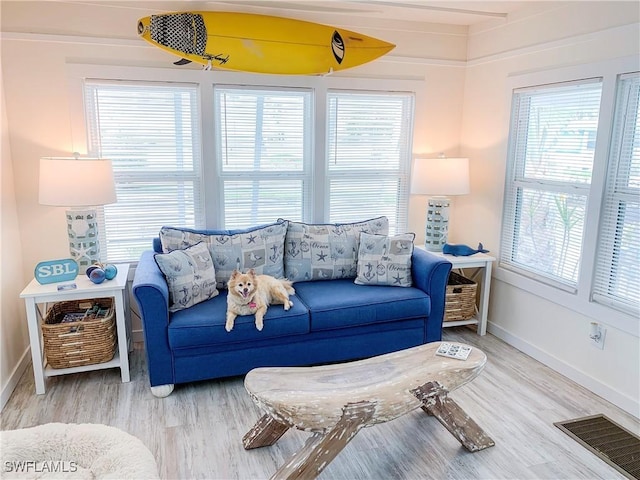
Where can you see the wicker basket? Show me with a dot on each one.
(460, 300)
(79, 343)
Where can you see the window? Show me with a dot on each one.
(151, 132)
(571, 219)
(369, 156)
(267, 151)
(551, 156)
(617, 279)
(264, 154)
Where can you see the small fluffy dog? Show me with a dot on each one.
(251, 294)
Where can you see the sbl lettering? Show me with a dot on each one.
(57, 269)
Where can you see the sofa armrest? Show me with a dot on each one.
(152, 296)
(430, 274)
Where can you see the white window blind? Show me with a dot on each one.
(369, 156)
(551, 152)
(151, 132)
(264, 154)
(617, 278)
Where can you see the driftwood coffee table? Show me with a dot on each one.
(336, 401)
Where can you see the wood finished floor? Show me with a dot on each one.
(196, 432)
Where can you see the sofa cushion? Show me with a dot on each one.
(190, 275)
(260, 248)
(384, 260)
(342, 303)
(203, 324)
(326, 251)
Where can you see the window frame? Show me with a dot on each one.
(517, 182)
(210, 176)
(178, 177)
(398, 222)
(579, 300)
(304, 175)
(616, 195)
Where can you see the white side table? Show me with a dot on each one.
(482, 262)
(35, 294)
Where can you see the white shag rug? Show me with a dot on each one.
(74, 451)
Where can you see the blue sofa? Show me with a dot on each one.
(331, 320)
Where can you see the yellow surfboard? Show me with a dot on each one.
(259, 43)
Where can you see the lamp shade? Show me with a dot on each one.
(76, 182)
(440, 176)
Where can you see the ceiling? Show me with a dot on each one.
(452, 12)
(449, 12)
(382, 18)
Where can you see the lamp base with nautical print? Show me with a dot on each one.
(82, 228)
(437, 224)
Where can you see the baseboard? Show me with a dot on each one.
(626, 403)
(25, 360)
(15, 376)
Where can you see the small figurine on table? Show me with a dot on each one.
(462, 250)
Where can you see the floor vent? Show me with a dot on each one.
(612, 443)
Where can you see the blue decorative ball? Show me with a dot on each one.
(110, 271)
(97, 275)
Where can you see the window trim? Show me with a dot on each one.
(580, 300)
(123, 178)
(212, 193)
(606, 243)
(305, 175)
(516, 179)
(402, 174)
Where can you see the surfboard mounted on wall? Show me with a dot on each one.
(249, 42)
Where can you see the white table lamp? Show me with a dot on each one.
(82, 184)
(439, 178)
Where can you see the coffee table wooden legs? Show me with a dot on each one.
(322, 448)
(264, 433)
(436, 402)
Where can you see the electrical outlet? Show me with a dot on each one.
(597, 335)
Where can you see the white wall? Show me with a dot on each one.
(14, 338)
(538, 40)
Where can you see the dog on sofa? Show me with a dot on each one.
(251, 294)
